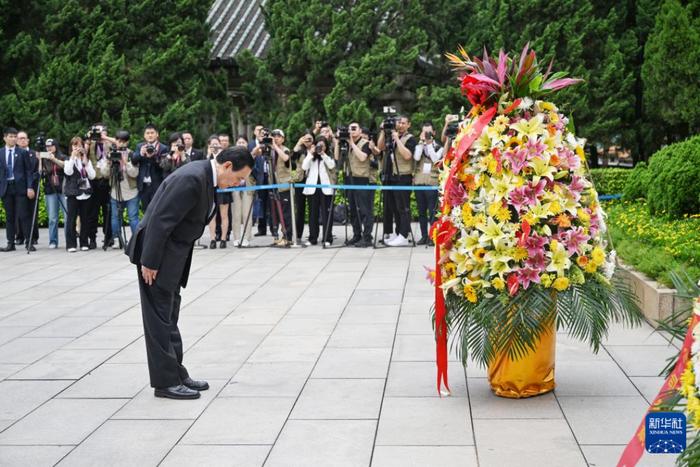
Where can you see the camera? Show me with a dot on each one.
(343, 133)
(115, 155)
(40, 143)
(452, 130)
(389, 118)
(95, 133)
(180, 147)
(429, 135)
(150, 149)
(266, 137)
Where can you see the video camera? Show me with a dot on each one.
(40, 143)
(452, 130)
(266, 137)
(389, 118)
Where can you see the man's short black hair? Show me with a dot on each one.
(223, 134)
(10, 131)
(428, 123)
(238, 156)
(150, 126)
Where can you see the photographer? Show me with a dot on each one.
(241, 206)
(78, 189)
(450, 129)
(427, 155)
(281, 157)
(304, 146)
(176, 158)
(318, 166)
(220, 221)
(360, 161)
(261, 173)
(123, 177)
(399, 166)
(52, 173)
(98, 151)
(147, 157)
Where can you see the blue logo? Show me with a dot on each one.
(665, 432)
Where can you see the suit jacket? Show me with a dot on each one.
(197, 155)
(150, 166)
(174, 220)
(22, 168)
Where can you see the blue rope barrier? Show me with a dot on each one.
(608, 197)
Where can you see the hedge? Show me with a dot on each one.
(610, 181)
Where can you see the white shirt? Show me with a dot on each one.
(10, 175)
(213, 172)
(77, 164)
(316, 171)
(429, 151)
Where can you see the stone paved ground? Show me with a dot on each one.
(315, 358)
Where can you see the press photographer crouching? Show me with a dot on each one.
(52, 172)
(427, 155)
(398, 146)
(319, 167)
(355, 154)
(78, 189)
(122, 174)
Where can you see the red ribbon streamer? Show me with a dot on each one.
(635, 448)
(443, 231)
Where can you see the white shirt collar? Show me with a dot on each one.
(213, 171)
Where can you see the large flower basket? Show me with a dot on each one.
(521, 242)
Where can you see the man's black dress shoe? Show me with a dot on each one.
(9, 247)
(30, 247)
(195, 385)
(422, 241)
(93, 244)
(259, 234)
(177, 392)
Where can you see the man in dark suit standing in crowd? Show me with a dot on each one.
(193, 154)
(161, 248)
(15, 187)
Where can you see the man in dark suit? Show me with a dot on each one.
(161, 248)
(147, 156)
(20, 235)
(15, 187)
(193, 154)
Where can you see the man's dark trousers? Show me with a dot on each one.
(16, 206)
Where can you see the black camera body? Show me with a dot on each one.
(115, 155)
(95, 133)
(150, 149)
(40, 143)
(180, 147)
(452, 130)
(343, 133)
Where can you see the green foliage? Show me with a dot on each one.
(637, 182)
(75, 63)
(610, 181)
(670, 69)
(674, 187)
(652, 245)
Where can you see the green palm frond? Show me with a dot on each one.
(515, 325)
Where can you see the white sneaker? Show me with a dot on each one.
(236, 243)
(84, 248)
(389, 238)
(326, 244)
(72, 250)
(399, 240)
(307, 243)
(52, 246)
(116, 245)
(245, 243)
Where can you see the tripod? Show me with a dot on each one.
(275, 201)
(115, 179)
(41, 156)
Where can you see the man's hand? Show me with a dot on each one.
(395, 136)
(149, 275)
(30, 193)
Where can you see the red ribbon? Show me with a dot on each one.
(443, 230)
(635, 448)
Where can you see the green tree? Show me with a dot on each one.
(670, 70)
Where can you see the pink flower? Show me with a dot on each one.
(535, 148)
(430, 274)
(569, 158)
(517, 159)
(572, 239)
(537, 261)
(538, 190)
(576, 187)
(534, 244)
(526, 276)
(457, 195)
(518, 198)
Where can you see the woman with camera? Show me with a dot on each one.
(319, 167)
(177, 156)
(77, 188)
(222, 201)
(52, 173)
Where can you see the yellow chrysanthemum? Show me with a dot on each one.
(546, 280)
(598, 256)
(493, 209)
(583, 216)
(503, 214)
(555, 208)
(519, 253)
(470, 293)
(561, 283)
(591, 267)
(498, 283)
(688, 381)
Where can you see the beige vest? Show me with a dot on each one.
(421, 178)
(404, 167)
(359, 168)
(283, 174)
